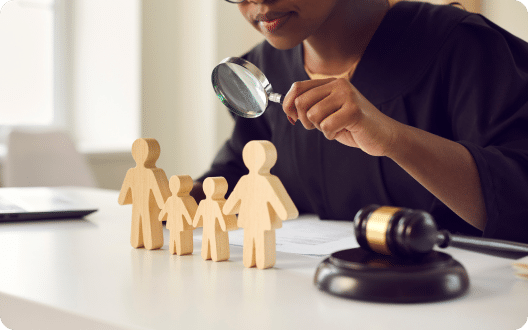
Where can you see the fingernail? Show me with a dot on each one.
(291, 120)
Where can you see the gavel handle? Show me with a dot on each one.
(495, 247)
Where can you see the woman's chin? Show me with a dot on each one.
(282, 43)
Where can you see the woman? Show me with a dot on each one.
(394, 103)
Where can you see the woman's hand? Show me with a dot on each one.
(337, 108)
(442, 166)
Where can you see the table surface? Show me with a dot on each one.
(83, 273)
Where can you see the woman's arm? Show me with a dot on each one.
(443, 167)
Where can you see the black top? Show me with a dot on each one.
(437, 68)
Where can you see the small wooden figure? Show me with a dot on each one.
(179, 211)
(261, 202)
(215, 240)
(146, 188)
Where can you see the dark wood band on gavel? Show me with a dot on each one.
(413, 233)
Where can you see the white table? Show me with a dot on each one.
(83, 274)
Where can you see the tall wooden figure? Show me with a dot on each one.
(145, 187)
(261, 202)
(215, 240)
(179, 211)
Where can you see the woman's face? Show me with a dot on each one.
(286, 23)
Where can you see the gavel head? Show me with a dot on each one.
(395, 231)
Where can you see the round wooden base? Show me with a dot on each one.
(363, 275)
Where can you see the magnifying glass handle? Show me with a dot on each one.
(276, 97)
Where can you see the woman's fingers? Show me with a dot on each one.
(337, 108)
(302, 96)
(323, 112)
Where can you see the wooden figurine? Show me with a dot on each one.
(146, 188)
(261, 202)
(215, 240)
(179, 211)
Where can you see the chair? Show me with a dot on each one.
(44, 159)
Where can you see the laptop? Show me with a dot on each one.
(31, 203)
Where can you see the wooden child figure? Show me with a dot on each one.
(215, 240)
(261, 202)
(179, 211)
(146, 188)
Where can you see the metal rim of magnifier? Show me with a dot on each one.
(253, 70)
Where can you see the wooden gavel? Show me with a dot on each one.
(410, 233)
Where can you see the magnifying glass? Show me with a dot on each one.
(243, 88)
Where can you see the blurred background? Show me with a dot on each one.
(102, 73)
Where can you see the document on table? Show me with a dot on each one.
(307, 235)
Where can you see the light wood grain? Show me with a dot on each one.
(145, 187)
(215, 239)
(179, 211)
(261, 202)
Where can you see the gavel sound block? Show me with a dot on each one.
(396, 261)
(378, 271)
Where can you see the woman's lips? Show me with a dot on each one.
(272, 21)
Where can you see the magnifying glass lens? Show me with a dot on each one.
(239, 90)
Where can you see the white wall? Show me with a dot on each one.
(100, 69)
(106, 73)
(512, 15)
(26, 80)
(177, 56)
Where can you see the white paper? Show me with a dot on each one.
(307, 235)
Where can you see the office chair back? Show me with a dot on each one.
(44, 159)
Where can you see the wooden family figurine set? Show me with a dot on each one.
(259, 199)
